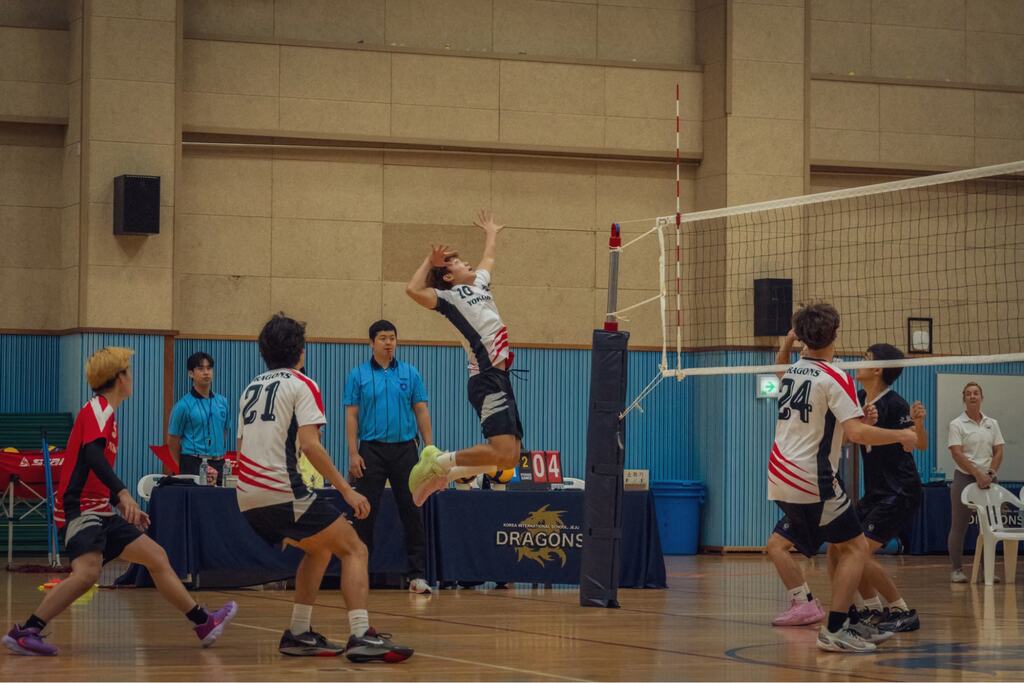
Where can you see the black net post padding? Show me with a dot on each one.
(602, 496)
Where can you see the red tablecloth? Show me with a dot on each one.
(28, 467)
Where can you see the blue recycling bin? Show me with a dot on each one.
(678, 507)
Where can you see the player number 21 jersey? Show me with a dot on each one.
(271, 410)
(815, 399)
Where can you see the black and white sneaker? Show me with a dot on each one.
(376, 647)
(900, 620)
(866, 629)
(308, 644)
(870, 616)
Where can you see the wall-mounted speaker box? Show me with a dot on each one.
(137, 205)
(773, 307)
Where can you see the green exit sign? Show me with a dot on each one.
(768, 386)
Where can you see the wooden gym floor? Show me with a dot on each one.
(712, 624)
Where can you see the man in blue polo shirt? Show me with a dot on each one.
(200, 421)
(385, 408)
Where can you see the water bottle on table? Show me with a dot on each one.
(204, 470)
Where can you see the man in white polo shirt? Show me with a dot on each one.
(977, 447)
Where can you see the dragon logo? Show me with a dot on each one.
(541, 537)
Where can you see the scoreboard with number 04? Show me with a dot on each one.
(538, 470)
(546, 466)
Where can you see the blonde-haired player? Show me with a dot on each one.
(93, 533)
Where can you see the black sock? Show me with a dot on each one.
(836, 621)
(197, 615)
(854, 615)
(35, 622)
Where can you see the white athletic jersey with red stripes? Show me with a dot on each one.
(271, 410)
(472, 310)
(816, 398)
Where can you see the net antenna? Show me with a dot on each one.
(949, 247)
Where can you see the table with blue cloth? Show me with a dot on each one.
(929, 533)
(507, 536)
(211, 545)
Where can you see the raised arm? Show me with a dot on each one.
(485, 221)
(417, 288)
(785, 349)
(918, 415)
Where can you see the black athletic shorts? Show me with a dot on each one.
(106, 534)
(808, 525)
(275, 523)
(491, 394)
(886, 517)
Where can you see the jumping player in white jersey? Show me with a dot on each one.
(281, 411)
(816, 400)
(447, 284)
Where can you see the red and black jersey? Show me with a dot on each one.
(80, 490)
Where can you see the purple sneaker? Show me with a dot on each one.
(28, 641)
(209, 632)
(800, 613)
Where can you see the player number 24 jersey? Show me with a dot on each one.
(815, 399)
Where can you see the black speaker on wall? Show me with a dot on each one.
(773, 306)
(137, 205)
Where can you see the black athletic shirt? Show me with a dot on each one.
(889, 470)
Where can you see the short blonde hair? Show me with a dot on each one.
(972, 384)
(105, 365)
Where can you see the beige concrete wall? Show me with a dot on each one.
(35, 13)
(914, 126)
(33, 72)
(332, 237)
(331, 92)
(37, 252)
(964, 41)
(650, 31)
(130, 128)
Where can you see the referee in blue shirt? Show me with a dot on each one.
(200, 421)
(385, 407)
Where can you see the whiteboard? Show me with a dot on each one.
(1004, 402)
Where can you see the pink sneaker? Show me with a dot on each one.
(209, 632)
(800, 614)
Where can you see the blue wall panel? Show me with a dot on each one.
(29, 382)
(552, 396)
(711, 429)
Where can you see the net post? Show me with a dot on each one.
(606, 459)
(614, 244)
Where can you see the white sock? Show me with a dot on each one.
(446, 460)
(463, 471)
(874, 603)
(801, 593)
(301, 614)
(898, 604)
(858, 601)
(359, 622)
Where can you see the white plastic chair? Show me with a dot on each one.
(988, 505)
(148, 482)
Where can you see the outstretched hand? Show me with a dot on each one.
(439, 255)
(485, 220)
